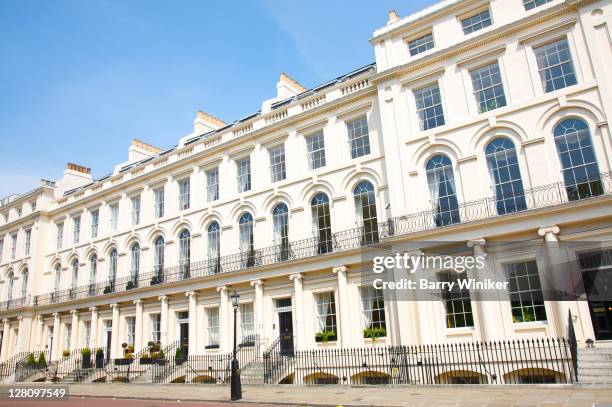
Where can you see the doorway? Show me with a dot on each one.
(285, 325)
(598, 287)
(108, 329)
(183, 331)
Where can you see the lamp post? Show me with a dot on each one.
(236, 388)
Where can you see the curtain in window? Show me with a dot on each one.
(365, 210)
(135, 263)
(441, 181)
(214, 247)
(280, 218)
(184, 252)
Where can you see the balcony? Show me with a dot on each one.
(546, 196)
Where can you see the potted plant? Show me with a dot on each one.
(130, 284)
(42, 362)
(374, 333)
(99, 358)
(86, 354)
(159, 357)
(107, 289)
(155, 280)
(66, 353)
(179, 357)
(325, 336)
(31, 360)
(127, 359)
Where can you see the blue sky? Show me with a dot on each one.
(80, 79)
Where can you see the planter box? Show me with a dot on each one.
(179, 361)
(211, 347)
(332, 338)
(247, 344)
(147, 361)
(86, 362)
(99, 362)
(123, 361)
(160, 362)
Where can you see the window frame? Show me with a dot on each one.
(184, 188)
(277, 161)
(243, 178)
(419, 37)
(212, 189)
(320, 151)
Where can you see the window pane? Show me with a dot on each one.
(525, 292)
(429, 107)
(488, 88)
(476, 22)
(421, 44)
(359, 137)
(555, 65)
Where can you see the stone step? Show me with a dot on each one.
(594, 379)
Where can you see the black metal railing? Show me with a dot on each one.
(204, 369)
(373, 233)
(9, 366)
(31, 365)
(543, 360)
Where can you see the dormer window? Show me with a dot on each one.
(476, 22)
(421, 44)
(531, 4)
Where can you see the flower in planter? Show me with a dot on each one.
(325, 336)
(374, 333)
(66, 353)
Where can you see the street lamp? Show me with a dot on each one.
(236, 388)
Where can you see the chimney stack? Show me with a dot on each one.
(393, 17)
(139, 150)
(206, 122)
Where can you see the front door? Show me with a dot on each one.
(184, 337)
(109, 340)
(598, 287)
(285, 328)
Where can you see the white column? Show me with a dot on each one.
(5, 340)
(115, 348)
(163, 320)
(549, 233)
(224, 320)
(39, 324)
(74, 334)
(479, 316)
(56, 337)
(552, 257)
(298, 330)
(93, 335)
(258, 313)
(138, 326)
(343, 306)
(193, 318)
(23, 335)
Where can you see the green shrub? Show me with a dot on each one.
(374, 333)
(325, 335)
(86, 352)
(31, 360)
(42, 362)
(179, 354)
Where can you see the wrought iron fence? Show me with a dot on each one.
(497, 362)
(374, 233)
(206, 369)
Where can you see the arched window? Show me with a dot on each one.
(214, 246)
(441, 181)
(184, 252)
(321, 222)
(245, 231)
(56, 285)
(505, 176)
(24, 284)
(10, 279)
(365, 211)
(75, 274)
(135, 264)
(93, 273)
(280, 220)
(577, 156)
(112, 270)
(158, 260)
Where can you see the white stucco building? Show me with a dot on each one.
(481, 122)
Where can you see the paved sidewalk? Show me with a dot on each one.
(413, 396)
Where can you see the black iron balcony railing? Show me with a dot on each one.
(372, 233)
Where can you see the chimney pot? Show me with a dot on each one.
(393, 17)
(78, 168)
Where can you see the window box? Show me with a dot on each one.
(124, 361)
(211, 347)
(326, 337)
(374, 333)
(247, 344)
(146, 361)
